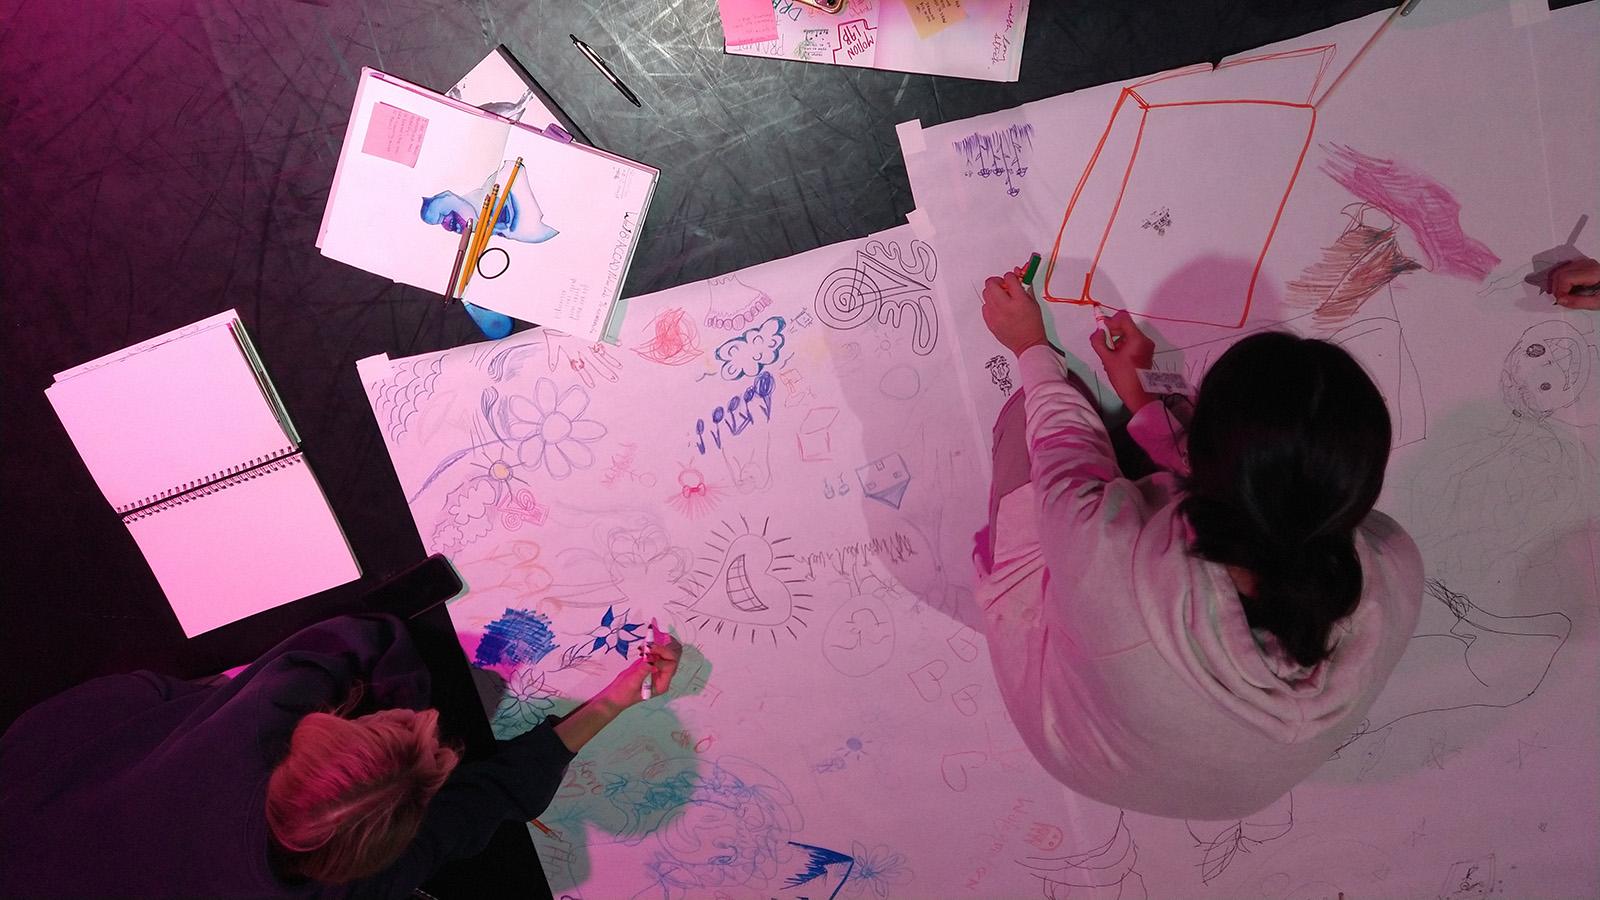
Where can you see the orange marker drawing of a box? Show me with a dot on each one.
(1195, 164)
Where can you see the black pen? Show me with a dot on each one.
(604, 69)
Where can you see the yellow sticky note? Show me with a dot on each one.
(934, 16)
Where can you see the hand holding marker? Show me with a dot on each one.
(1027, 272)
(652, 654)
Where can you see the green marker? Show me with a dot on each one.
(1032, 268)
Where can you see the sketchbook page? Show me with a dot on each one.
(563, 245)
(497, 84)
(404, 143)
(773, 464)
(1427, 191)
(220, 319)
(177, 413)
(962, 38)
(245, 545)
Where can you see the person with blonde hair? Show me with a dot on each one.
(317, 771)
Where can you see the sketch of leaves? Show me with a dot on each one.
(1361, 261)
(1241, 836)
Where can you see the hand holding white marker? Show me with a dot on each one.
(1124, 350)
(661, 661)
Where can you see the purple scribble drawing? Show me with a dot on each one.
(519, 636)
(1001, 152)
(1416, 201)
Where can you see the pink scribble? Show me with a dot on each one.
(1418, 202)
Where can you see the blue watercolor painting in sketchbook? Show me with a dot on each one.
(520, 218)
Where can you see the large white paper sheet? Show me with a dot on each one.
(775, 463)
(1431, 182)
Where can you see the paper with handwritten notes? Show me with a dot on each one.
(933, 37)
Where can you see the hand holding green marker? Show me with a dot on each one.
(1099, 317)
(1028, 271)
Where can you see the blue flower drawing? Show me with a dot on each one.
(615, 633)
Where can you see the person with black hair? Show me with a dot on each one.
(1193, 643)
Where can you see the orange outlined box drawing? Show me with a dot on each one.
(1194, 164)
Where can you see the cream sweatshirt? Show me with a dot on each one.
(1127, 664)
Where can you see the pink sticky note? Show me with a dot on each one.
(747, 21)
(395, 134)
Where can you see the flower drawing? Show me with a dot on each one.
(615, 633)
(549, 430)
(876, 869)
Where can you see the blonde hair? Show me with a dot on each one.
(350, 795)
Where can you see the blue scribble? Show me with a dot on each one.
(519, 636)
(729, 826)
(817, 861)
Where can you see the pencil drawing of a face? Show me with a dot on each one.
(1546, 371)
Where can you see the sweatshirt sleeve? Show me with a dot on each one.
(325, 660)
(1089, 516)
(517, 783)
(1160, 435)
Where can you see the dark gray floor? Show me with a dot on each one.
(161, 161)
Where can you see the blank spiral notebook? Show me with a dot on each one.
(189, 442)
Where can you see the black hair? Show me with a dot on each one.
(1287, 450)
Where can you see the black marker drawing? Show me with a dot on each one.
(1499, 661)
(888, 286)
(1000, 373)
(1242, 837)
(746, 584)
(1109, 867)
(1158, 221)
(1470, 879)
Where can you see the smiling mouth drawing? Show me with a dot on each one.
(740, 592)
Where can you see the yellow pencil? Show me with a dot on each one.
(477, 234)
(494, 217)
(509, 182)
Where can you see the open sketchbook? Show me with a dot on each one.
(414, 171)
(188, 440)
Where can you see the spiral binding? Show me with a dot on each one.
(194, 490)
